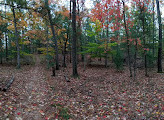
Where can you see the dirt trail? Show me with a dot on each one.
(30, 94)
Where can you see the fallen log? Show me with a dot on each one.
(8, 84)
(66, 78)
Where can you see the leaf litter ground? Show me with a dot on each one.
(98, 93)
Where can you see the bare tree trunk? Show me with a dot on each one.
(53, 32)
(82, 41)
(78, 32)
(106, 54)
(6, 40)
(6, 47)
(64, 51)
(127, 37)
(135, 55)
(82, 55)
(143, 36)
(16, 37)
(160, 39)
(47, 44)
(69, 31)
(70, 54)
(135, 59)
(144, 42)
(74, 42)
(153, 31)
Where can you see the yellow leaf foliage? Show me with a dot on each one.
(12, 44)
(10, 27)
(8, 14)
(44, 51)
(65, 12)
(24, 23)
(65, 35)
(26, 42)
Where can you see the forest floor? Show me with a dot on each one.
(98, 93)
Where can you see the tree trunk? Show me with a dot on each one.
(47, 44)
(106, 54)
(70, 50)
(127, 37)
(6, 40)
(16, 37)
(6, 47)
(78, 32)
(135, 59)
(70, 54)
(74, 42)
(64, 51)
(53, 32)
(153, 31)
(160, 39)
(70, 7)
(144, 41)
(145, 52)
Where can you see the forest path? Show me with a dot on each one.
(30, 93)
(36, 87)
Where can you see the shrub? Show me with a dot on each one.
(118, 60)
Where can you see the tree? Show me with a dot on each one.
(16, 37)
(160, 38)
(19, 4)
(74, 42)
(145, 22)
(3, 29)
(153, 30)
(127, 37)
(142, 9)
(6, 39)
(53, 32)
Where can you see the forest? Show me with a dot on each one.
(81, 59)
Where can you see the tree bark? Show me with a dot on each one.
(69, 32)
(160, 39)
(53, 32)
(127, 37)
(64, 54)
(8, 84)
(106, 54)
(144, 43)
(135, 59)
(153, 31)
(142, 18)
(74, 41)
(6, 40)
(16, 37)
(64, 51)
(78, 41)
(6, 47)
(47, 43)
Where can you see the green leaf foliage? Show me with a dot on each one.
(98, 49)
